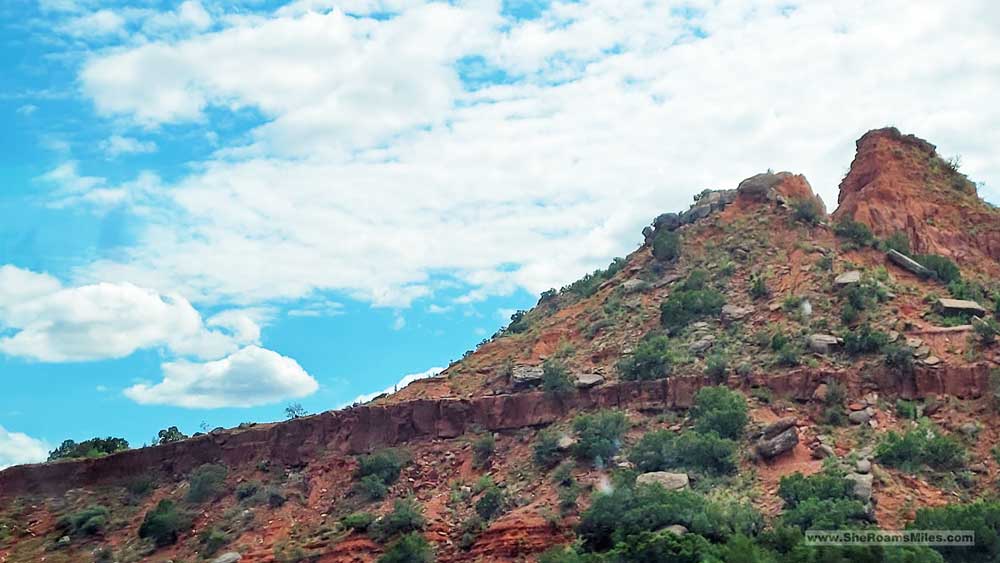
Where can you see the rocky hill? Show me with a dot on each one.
(755, 368)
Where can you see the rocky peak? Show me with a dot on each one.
(899, 183)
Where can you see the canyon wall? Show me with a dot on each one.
(364, 428)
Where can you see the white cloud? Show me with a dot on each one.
(17, 448)
(375, 172)
(52, 323)
(398, 321)
(101, 23)
(117, 145)
(250, 377)
(317, 308)
(27, 110)
(406, 380)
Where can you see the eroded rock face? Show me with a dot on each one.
(365, 428)
(898, 183)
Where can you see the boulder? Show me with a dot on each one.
(565, 443)
(669, 481)
(647, 234)
(735, 313)
(823, 451)
(587, 380)
(667, 221)
(676, 529)
(859, 417)
(696, 213)
(821, 392)
(777, 427)
(773, 447)
(758, 186)
(931, 361)
(862, 486)
(526, 375)
(229, 557)
(863, 466)
(970, 429)
(907, 263)
(960, 306)
(848, 278)
(822, 343)
(702, 344)
(979, 468)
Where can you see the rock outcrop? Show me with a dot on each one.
(898, 183)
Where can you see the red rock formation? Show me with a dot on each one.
(364, 428)
(898, 183)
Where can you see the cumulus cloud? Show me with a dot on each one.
(17, 448)
(52, 323)
(376, 170)
(406, 380)
(249, 377)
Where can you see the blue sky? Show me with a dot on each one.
(209, 210)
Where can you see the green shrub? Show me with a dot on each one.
(589, 284)
(87, 522)
(212, 540)
(825, 263)
(666, 246)
(778, 341)
(807, 210)
(377, 471)
(865, 340)
(546, 450)
(555, 378)
(942, 269)
(849, 314)
(411, 548)
(981, 517)
(628, 511)
(406, 516)
(599, 435)
(826, 485)
(359, 521)
(140, 485)
(385, 464)
(372, 487)
(906, 409)
(899, 358)
(164, 524)
(519, 322)
(826, 514)
(95, 447)
(758, 287)
(482, 450)
(789, 355)
(168, 435)
(246, 491)
(855, 232)
(899, 242)
(987, 331)
(652, 359)
(690, 301)
(919, 447)
(490, 503)
(662, 450)
(719, 410)
(717, 367)
(205, 482)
